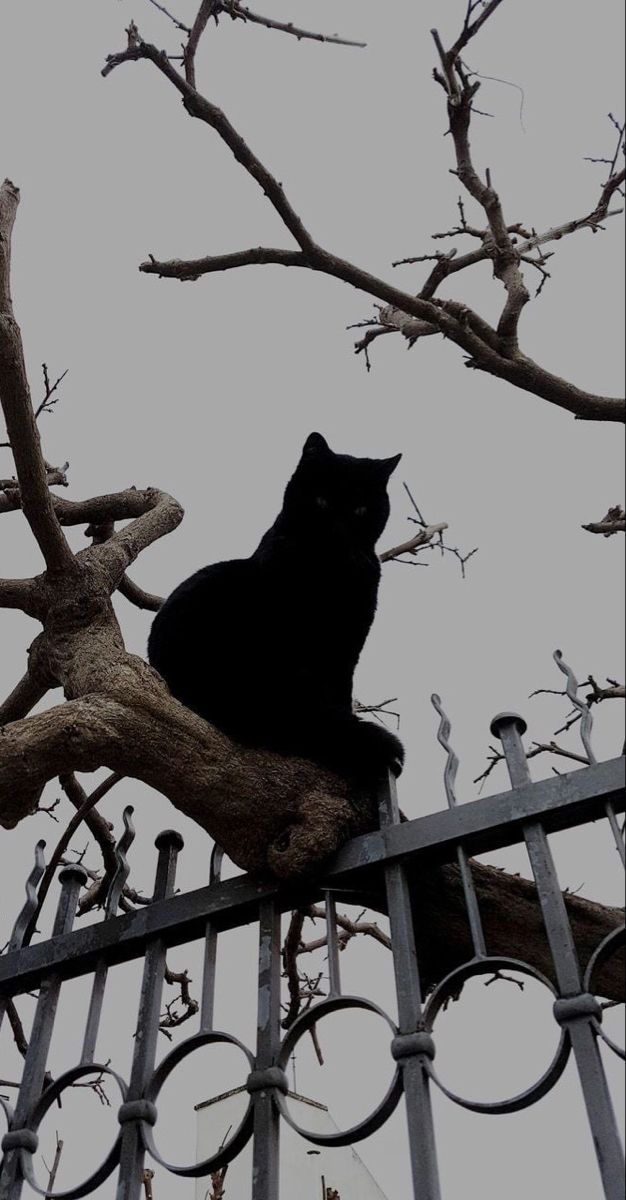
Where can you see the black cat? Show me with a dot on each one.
(265, 647)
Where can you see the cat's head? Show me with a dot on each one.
(338, 496)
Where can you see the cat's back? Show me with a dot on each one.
(200, 605)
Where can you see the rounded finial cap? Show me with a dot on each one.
(169, 839)
(508, 718)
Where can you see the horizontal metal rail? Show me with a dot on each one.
(480, 826)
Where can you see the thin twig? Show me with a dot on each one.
(55, 1167)
(179, 24)
(240, 11)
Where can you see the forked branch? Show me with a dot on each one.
(494, 350)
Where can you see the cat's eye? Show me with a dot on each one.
(321, 502)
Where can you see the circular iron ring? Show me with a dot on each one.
(601, 955)
(242, 1134)
(445, 992)
(385, 1109)
(37, 1115)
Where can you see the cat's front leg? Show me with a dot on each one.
(378, 748)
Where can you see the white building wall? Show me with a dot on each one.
(303, 1166)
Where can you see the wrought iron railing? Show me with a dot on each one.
(526, 814)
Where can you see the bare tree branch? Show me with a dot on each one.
(496, 757)
(291, 949)
(349, 930)
(241, 11)
(470, 27)
(137, 596)
(513, 924)
(460, 92)
(97, 825)
(55, 1166)
(25, 695)
(10, 492)
(173, 1017)
(207, 9)
(50, 389)
(18, 593)
(127, 588)
(492, 350)
(191, 270)
(125, 720)
(179, 24)
(613, 522)
(161, 514)
(18, 411)
(198, 106)
(421, 539)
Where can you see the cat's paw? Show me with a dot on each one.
(381, 749)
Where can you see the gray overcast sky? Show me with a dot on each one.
(208, 391)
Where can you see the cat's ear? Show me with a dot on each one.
(387, 466)
(315, 446)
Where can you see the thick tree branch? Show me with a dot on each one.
(25, 695)
(17, 593)
(152, 514)
(136, 729)
(97, 825)
(131, 591)
(116, 506)
(137, 596)
(18, 410)
(512, 922)
(161, 515)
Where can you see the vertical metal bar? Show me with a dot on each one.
(413, 1048)
(95, 1012)
(334, 970)
(136, 1109)
(471, 904)
(266, 1164)
(207, 999)
(11, 1180)
(616, 831)
(575, 1010)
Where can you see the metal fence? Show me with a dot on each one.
(525, 814)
